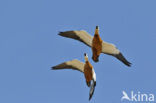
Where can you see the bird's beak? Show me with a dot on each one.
(97, 27)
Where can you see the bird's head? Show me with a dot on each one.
(86, 57)
(97, 30)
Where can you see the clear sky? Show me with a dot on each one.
(30, 46)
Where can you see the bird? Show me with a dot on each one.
(96, 43)
(86, 68)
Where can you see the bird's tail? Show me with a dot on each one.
(92, 88)
(95, 56)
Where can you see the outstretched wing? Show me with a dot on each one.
(73, 64)
(86, 38)
(92, 88)
(120, 57)
(110, 49)
(81, 36)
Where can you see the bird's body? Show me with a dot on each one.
(85, 68)
(88, 73)
(98, 46)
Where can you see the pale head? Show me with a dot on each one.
(97, 30)
(86, 57)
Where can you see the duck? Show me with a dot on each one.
(86, 68)
(97, 45)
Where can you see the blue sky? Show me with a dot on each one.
(30, 46)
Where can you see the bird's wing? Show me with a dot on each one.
(92, 88)
(81, 36)
(110, 49)
(73, 64)
(86, 38)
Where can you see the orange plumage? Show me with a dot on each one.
(96, 45)
(88, 72)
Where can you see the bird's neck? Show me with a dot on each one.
(96, 32)
(86, 59)
(87, 63)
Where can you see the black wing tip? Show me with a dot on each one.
(53, 68)
(94, 83)
(129, 64)
(122, 58)
(65, 34)
(60, 33)
(92, 90)
(90, 98)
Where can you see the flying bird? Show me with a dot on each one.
(96, 43)
(85, 68)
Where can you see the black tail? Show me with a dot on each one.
(95, 59)
(88, 84)
(92, 88)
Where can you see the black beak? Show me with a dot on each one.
(85, 54)
(97, 27)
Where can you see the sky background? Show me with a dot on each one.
(30, 46)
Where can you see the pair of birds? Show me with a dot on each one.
(98, 46)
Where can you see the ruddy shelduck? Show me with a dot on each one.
(85, 68)
(98, 46)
